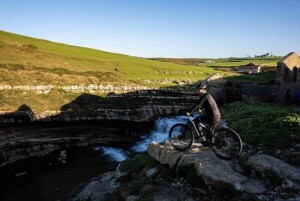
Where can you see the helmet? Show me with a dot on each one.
(201, 85)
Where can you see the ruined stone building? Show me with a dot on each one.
(288, 77)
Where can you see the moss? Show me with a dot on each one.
(224, 192)
(138, 162)
(189, 173)
(273, 177)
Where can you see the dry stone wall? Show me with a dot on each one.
(92, 88)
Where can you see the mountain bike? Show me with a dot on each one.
(225, 142)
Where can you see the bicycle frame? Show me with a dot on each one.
(192, 120)
(225, 142)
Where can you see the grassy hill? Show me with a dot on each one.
(71, 64)
(33, 62)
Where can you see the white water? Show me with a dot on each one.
(114, 154)
(159, 134)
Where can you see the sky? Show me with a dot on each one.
(161, 28)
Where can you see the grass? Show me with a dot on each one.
(222, 62)
(30, 52)
(30, 61)
(263, 123)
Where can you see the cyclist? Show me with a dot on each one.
(210, 112)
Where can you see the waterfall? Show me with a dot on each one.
(158, 134)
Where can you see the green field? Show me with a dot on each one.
(30, 57)
(222, 62)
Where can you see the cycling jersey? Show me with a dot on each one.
(208, 103)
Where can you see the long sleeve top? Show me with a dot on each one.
(208, 103)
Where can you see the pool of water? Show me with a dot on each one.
(51, 178)
(54, 176)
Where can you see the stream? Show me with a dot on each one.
(53, 176)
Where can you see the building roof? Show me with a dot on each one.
(291, 60)
(249, 66)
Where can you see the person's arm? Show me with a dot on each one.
(199, 105)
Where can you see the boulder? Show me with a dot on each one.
(98, 189)
(208, 166)
(283, 170)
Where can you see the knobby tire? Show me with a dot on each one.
(181, 137)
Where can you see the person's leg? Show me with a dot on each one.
(214, 123)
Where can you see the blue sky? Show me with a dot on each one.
(161, 28)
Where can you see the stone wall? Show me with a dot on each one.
(145, 113)
(92, 88)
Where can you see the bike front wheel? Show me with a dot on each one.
(181, 136)
(226, 144)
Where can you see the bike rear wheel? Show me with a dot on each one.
(227, 144)
(181, 136)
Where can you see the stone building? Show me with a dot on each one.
(249, 68)
(288, 77)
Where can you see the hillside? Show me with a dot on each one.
(26, 60)
(40, 73)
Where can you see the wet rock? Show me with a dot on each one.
(278, 152)
(98, 189)
(20, 174)
(148, 188)
(287, 184)
(133, 198)
(152, 173)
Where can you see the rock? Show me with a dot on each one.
(118, 172)
(278, 152)
(98, 189)
(200, 191)
(20, 174)
(287, 184)
(152, 173)
(207, 165)
(133, 198)
(265, 162)
(178, 185)
(148, 188)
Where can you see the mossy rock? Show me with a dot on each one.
(137, 163)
